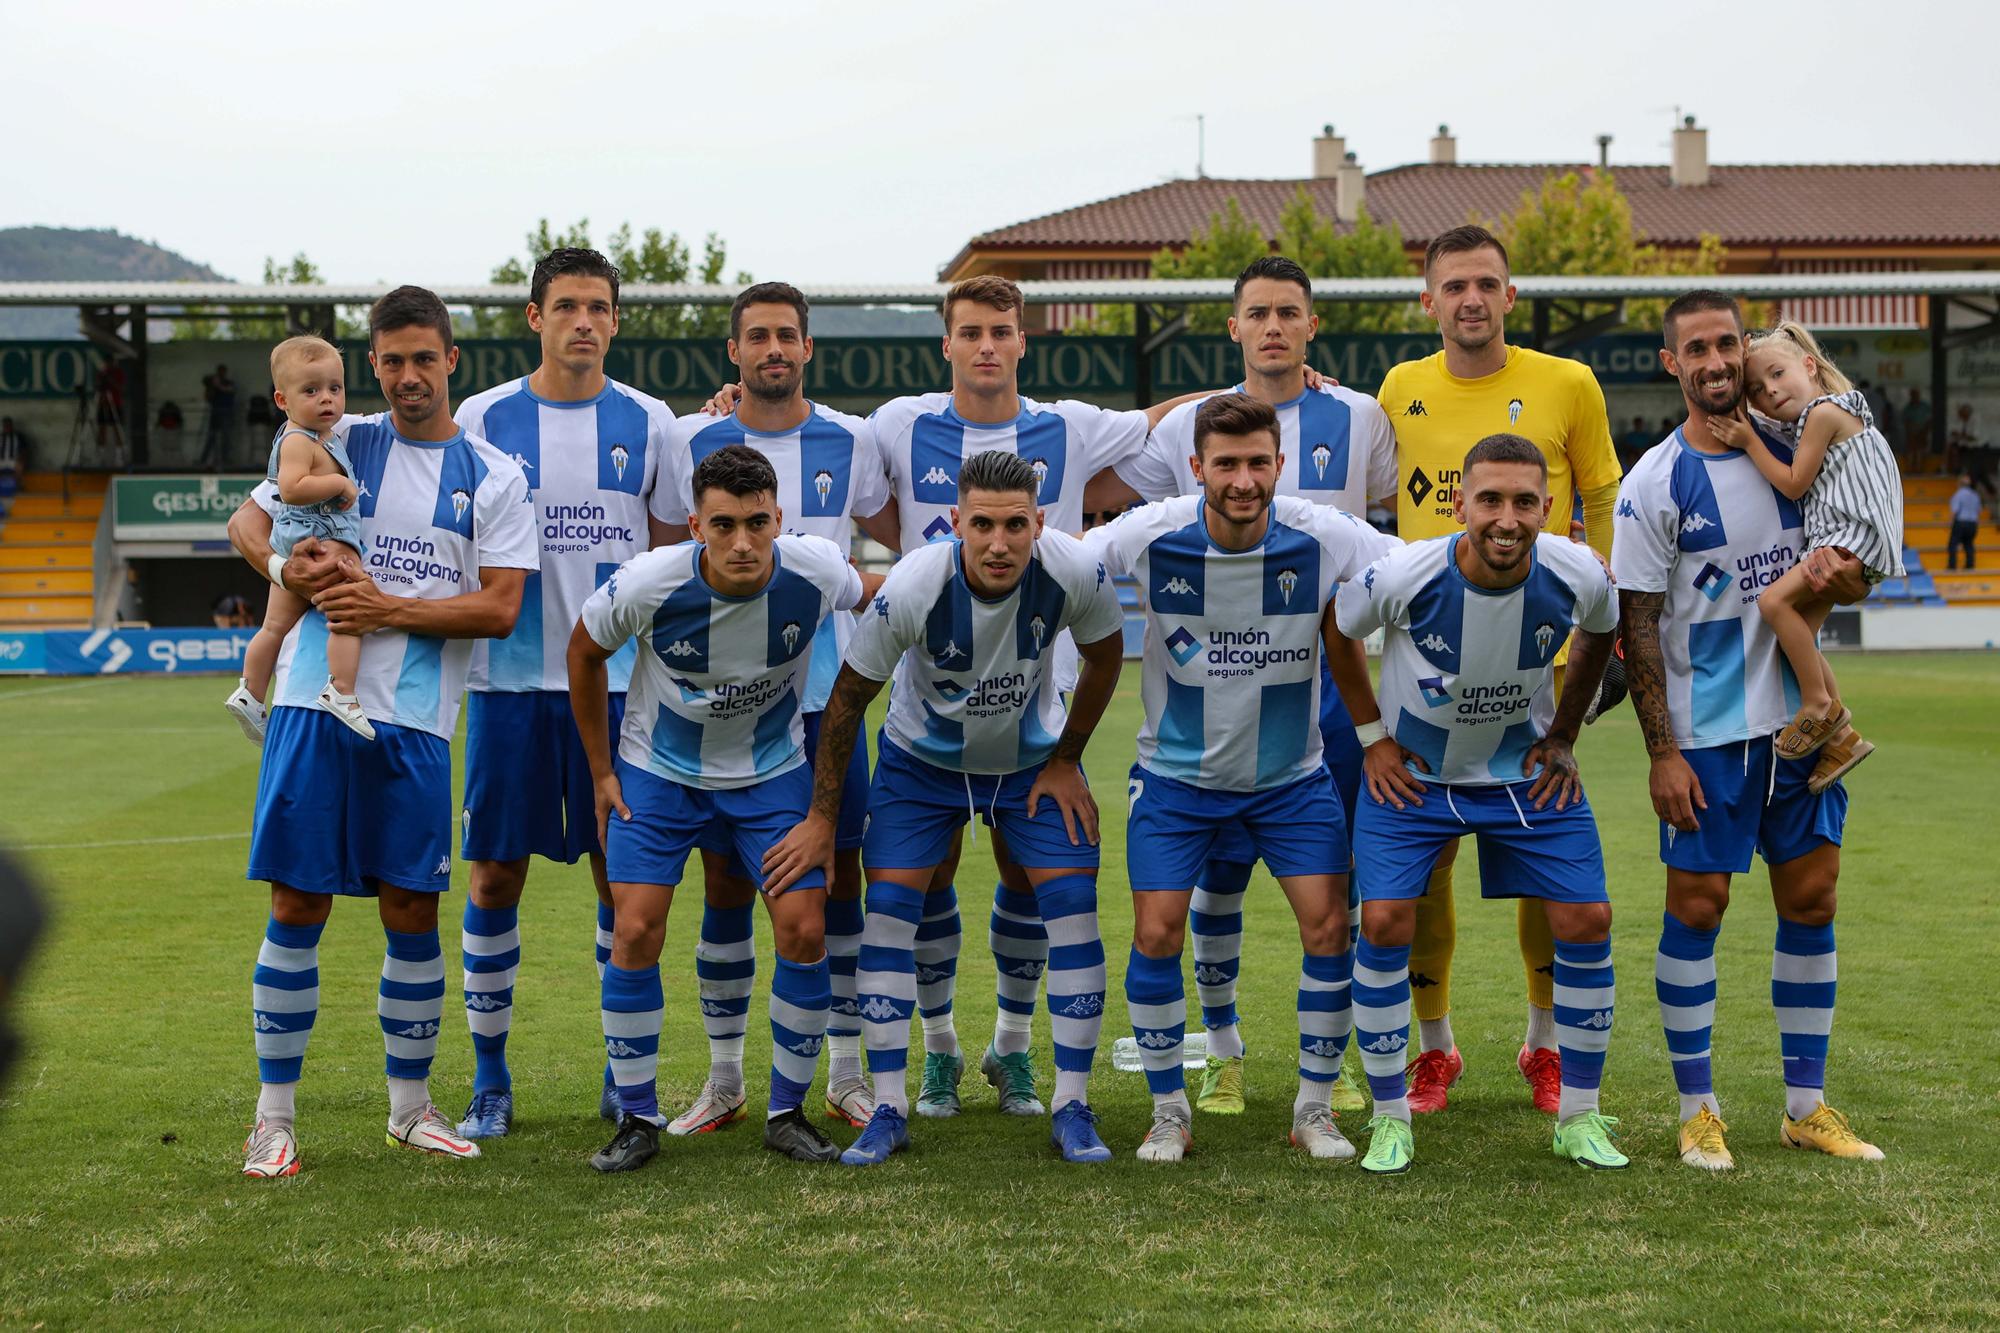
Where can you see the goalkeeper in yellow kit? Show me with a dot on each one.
(1440, 406)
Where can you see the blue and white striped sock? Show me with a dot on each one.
(843, 1024)
(938, 935)
(284, 1001)
(725, 969)
(631, 1007)
(1804, 971)
(1382, 1022)
(1684, 980)
(1020, 945)
(801, 994)
(1156, 999)
(1585, 995)
(1076, 981)
(607, 918)
(410, 1002)
(1326, 1017)
(490, 943)
(1215, 915)
(885, 984)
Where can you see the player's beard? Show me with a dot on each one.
(1233, 496)
(1697, 396)
(1474, 342)
(766, 390)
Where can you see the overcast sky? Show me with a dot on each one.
(856, 142)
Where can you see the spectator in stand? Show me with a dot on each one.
(232, 611)
(261, 417)
(1879, 405)
(220, 391)
(1962, 440)
(13, 449)
(1668, 426)
(1635, 442)
(110, 404)
(1964, 523)
(1916, 427)
(170, 416)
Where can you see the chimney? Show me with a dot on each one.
(1348, 187)
(1444, 148)
(1690, 154)
(1329, 150)
(1603, 152)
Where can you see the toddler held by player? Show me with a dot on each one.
(1845, 474)
(315, 482)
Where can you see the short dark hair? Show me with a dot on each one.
(768, 293)
(1458, 241)
(409, 307)
(1277, 268)
(1234, 414)
(988, 289)
(1506, 448)
(736, 468)
(998, 470)
(571, 261)
(1701, 298)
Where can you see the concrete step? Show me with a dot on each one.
(47, 531)
(78, 508)
(1973, 586)
(73, 556)
(39, 611)
(51, 483)
(21, 582)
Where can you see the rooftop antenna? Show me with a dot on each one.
(1200, 146)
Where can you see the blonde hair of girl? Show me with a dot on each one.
(1797, 339)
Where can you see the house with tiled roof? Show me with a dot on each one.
(1772, 218)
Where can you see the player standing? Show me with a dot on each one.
(1475, 386)
(829, 473)
(447, 524)
(1472, 626)
(976, 728)
(1238, 589)
(1701, 534)
(711, 740)
(1338, 449)
(595, 455)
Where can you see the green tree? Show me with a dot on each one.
(1231, 241)
(261, 323)
(1576, 226)
(654, 257)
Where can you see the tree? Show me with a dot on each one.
(1576, 226)
(261, 323)
(656, 257)
(1231, 241)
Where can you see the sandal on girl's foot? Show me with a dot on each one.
(1807, 732)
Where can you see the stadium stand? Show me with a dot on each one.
(46, 533)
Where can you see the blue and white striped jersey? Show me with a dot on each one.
(829, 473)
(432, 516)
(924, 441)
(1708, 531)
(594, 468)
(1468, 674)
(1339, 449)
(714, 701)
(1232, 656)
(974, 689)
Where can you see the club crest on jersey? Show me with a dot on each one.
(1321, 456)
(1545, 637)
(1041, 467)
(1434, 692)
(823, 485)
(1036, 628)
(1183, 645)
(1513, 411)
(790, 634)
(1288, 582)
(461, 500)
(620, 458)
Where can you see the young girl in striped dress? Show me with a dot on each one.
(1843, 471)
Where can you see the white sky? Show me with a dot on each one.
(858, 141)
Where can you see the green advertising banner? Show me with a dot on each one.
(176, 509)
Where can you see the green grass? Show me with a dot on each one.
(120, 1132)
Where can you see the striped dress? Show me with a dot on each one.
(1856, 502)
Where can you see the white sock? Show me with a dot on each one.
(1574, 1102)
(1226, 1043)
(1397, 1109)
(1541, 1029)
(843, 1057)
(940, 1037)
(1434, 1034)
(407, 1099)
(277, 1102)
(1693, 1103)
(1164, 1100)
(726, 1074)
(1072, 1085)
(1312, 1093)
(1012, 1032)
(1802, 1102)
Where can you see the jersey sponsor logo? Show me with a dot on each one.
(790, 634)
(1419, 486)
(1434, 692)
(417, 1031)
(938, 476)
(576, 529)
(485, 1004)
(1545, 636)
(1028, 969)
(1712, 582)
(409, 561)
(620, 1049)
(950, 690)
(1433, 643)
(990, 696)
(1439, 490)
(937, 530)
(1625, 509)
(879, 1009)
(1760, 569)
(1178, 586)
(1321, 456)
(1415, 409)
(1695, 523)
(1157, 1040)
(1387, 1043)
(1601, 1020)
(1487, 703)
(1183, 645)
(1083, 1006)
(1288, 582)
(620, 458)
(1513, 412)
(1234, 652)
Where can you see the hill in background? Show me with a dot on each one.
(73, 254)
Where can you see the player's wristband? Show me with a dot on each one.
(1370, 732)
(274, 569)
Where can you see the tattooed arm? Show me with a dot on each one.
(810, 843)
(1675, 790)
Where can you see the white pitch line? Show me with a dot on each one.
(127, 842)
(46, 689)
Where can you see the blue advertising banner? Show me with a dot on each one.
(22, 654)
(107, 652)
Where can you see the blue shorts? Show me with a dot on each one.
(853, 823)
(527, 782)
(669, 820)
(1338, 748)
(336, 813)
(1735, 779)
(914, 808)
(1173, 829)
(1523, 852)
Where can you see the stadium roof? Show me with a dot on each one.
(1886, 205)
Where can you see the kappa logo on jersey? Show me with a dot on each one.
(1601, 1020)
(1713, 582)
(1545, 635)
(620, 456)
(1434, 692)
(1415, 409)
(951, 657)
(522, 461)
(485, 1004)
(1083, 1006)
(461, 500)
(1419, 487)
(620, 1049)
(1036, 628)
(1513, 411)
(681, 648)
(879, 1009)
(881, 605)
(1368, 578)
(937, 530)
(1321, 456)
(1178, 587)
(1288, 582)
(1433, 643)
(361, 491)
(790, 634)
(443, 867)
(1387, 1043)
(1157, 1041)
(938, 476)
(1625, 509)
(417, 1031)
(1695, 523)
(1183, 645)
(823, 484)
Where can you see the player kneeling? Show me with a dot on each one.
(1472, 624)
(711, 744)
(976, 725)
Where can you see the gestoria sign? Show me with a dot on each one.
(176, 509)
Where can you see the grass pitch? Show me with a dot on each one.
(120, 1132)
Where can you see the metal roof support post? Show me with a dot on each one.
(1938, 316)
(1538, 337)
(1142, 360)
(137, 419)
